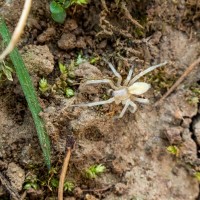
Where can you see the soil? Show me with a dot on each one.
(134, 148)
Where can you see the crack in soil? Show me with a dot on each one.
(194, 138)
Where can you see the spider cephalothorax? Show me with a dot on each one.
(127, 92)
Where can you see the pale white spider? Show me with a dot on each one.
(123, 93)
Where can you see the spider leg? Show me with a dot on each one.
(132, 107)
(96, 103)
(128, 78)
(102, 81)
(145, 72)
(114, 72)
(124, 109)
(141, 100)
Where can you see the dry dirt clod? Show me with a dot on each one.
(89, 72)
(70, 25)
(67, 41)
(70, 41)
(16, 176)
(120, 188)
(38, 59)
(78, 192)
(35, 194)
(46, 35)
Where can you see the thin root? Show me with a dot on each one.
(10, 189)
(63, 174)
(177, 83)
(18, 30)
(129, 17)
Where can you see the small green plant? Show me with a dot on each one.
(94, 60)
(43, 85)
(194, 94)
(54, 182)
(31, 182)
(93, 171)
(69, 92)
(68, 186)
(161, 80)
(80, 59)
(6, 70)
(173, 150)
(63, 69)
(197, 176)
(58, 7)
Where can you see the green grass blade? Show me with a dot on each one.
(29, 92)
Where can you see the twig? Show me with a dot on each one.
(10, 189)
(98, 190)
(103, 2)
(18, 30)
(63, 174)
(176, 84)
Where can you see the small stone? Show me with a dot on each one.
(90, 197)
(174, 135)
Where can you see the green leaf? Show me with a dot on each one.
(34, 186)
(56, 8)
(8, 72)
(197, 175)
(67, 4)
(27, 186)
(30, 94)
(59, 17)
(68, 186)
(69, 92)
(173, 150)
(63, 69)
(100, 169)
(57, 12)
(80, 59)
(79, 2)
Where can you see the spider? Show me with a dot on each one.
(127, 92)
